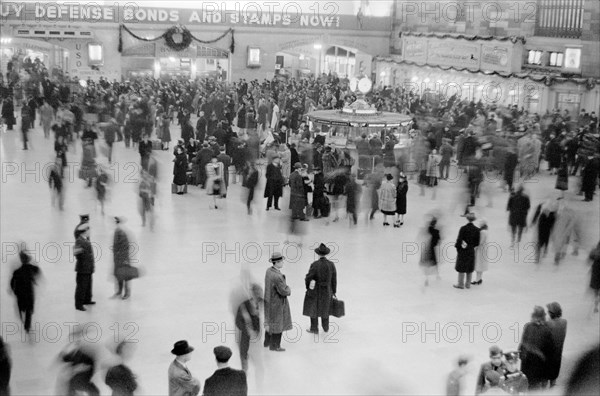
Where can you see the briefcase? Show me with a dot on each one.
(337, 308)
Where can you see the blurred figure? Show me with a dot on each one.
(247, 321)
(511, 161)
(545, 216)
(387, 198)
(102, 185)
(80, 357)
(515, 382)
(495, 364)
(250, 181)
(567, 230)
(454, 383)
(180, 167)
(5, 368)
(147, 193)
(88, 159)
(585, 376)
(401, 191)
(558, 328)
(120, 378)
(466, 242)
(278, 317)
(429, 262)
(321, 287)
(46, 117)
(297, 194)
(518, 206)
(22, 284)
(274, 185)
(562, 177)
(318, 197)
(353, 192)
(55, 181)
(215, 184)
(181, 382)
(595, 276)
(481, 259)
(225, 381)
(589, 178)
(537, 348)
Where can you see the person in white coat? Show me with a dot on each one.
(481, 255)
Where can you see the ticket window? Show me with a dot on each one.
(568, 101)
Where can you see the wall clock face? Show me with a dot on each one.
(353, 84)
(364, 85)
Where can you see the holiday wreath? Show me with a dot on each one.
(178, 38)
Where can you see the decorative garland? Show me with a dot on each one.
(173, 41)
(513, 39)
(590, 83)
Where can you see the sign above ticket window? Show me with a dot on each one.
(259, 14)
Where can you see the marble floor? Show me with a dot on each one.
(397, 337)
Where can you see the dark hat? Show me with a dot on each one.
(120, 219)
(181, 348)
(297, 165)
(84, 217)
(511, 356)
(402, 175)
(82, 227)
(222, 353)
(322, 250)
(495, 350)
(275, 257)
(25, 258)
(471, 217)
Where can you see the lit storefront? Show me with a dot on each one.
(283, 43)
(484, 69)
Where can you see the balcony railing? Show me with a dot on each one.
(559, 18)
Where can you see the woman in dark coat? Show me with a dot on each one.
(241, 116)
(429, 262)
(274, 186)
(562, 177)
(120, 250)
(179, 170)
(545, 216)
(318, 193)
(401, 190)
(536, 348)
(589, 178)
(353, 191)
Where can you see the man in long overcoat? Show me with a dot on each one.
(297, 196)
(321, 285)
(84, 267)
(467, 241)
(277, 309)
(518, 206)
(537, 349)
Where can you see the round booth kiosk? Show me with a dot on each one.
(344, 130)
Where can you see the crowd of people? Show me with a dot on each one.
(229, 132)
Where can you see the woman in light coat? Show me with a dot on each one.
(387, 198)
(215, 184)
(286, 166)
(481, 257)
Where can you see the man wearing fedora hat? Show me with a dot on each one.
(278, 317)
(321, 286)
(225, 381)
(467, 241)
(181, 382)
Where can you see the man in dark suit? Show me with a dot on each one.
(145, 150)
(225, 381)
(201, 128)
(321, 286)
(84, 267)
(467, 241)
(22, 285)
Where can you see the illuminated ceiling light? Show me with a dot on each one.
(426, 80)
(317, 46)
(172, 58)
(415, 78)
(301, 57)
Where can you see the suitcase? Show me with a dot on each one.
(156, 145)
(337, 308)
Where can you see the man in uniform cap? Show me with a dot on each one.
(278, 317)
(84, 267)
(495, 364)
(321, 286)
(225, 381)
(181, 382)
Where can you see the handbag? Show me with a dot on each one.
(127, 272)
(337, 308)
